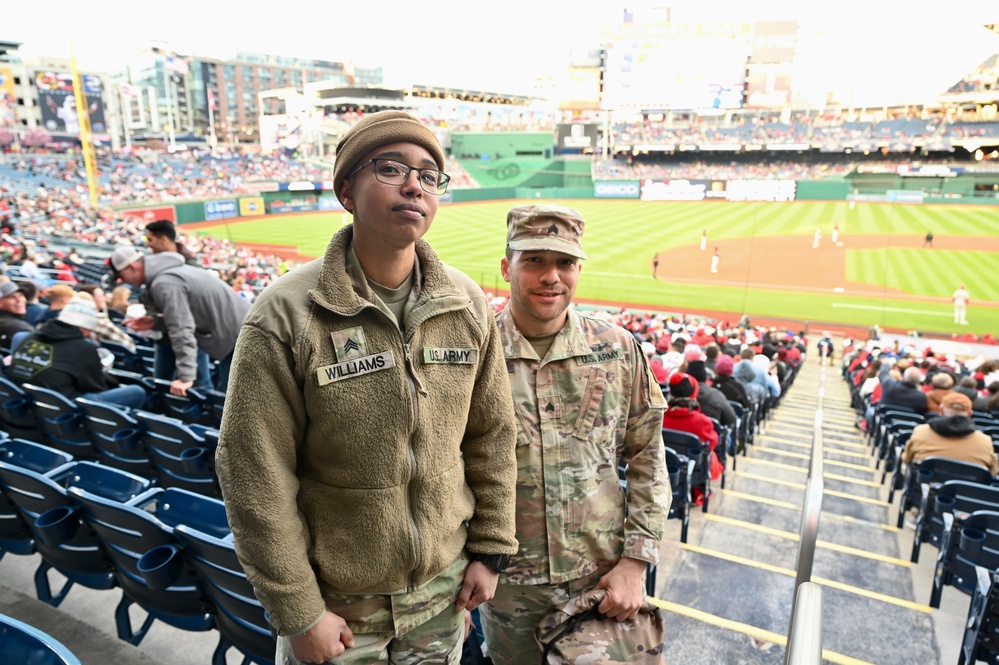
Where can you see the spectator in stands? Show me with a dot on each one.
(118, 305)
(906, 393)
(161, 237)
(58, 296)
(579, 475)
(942, 383)
(968, 387)
(106, 330)
(684, 415)
(732, 388)
(713, 403)
(34, 309)
(12, 310)
(322, 412)
(752, 378)
(58, 356)
(198, 310)
(952, 435)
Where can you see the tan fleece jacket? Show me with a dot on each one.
(355, 458)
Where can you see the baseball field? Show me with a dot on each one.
(877, 272)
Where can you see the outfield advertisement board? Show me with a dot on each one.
(221, 209)
(251, 206)
(616, 189)
(725, 190)
(330, 203)
(147, 215)
(304, 204)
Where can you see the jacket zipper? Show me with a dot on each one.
(415, 414)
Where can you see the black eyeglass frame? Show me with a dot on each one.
(441, 188)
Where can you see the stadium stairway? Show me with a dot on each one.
(727, 593)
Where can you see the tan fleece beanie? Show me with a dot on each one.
(378, 129)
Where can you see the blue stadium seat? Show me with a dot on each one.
(15, 534)
(948, 497)
(190, 409)
(26, 645)
(969, 540)
(17, 417)
(688, 445)
(55, 523)
(239, 616)
(116, 436)
(681, 471)
(61, 422)
(981, 633)
(181, 454)
(935, 470)
(130, 530)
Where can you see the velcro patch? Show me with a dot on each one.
(357, 367)
(349, 344)
(601, 357)
(435, 356)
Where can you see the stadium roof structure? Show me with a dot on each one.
(7, 48)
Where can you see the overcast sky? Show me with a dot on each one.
(858, 49)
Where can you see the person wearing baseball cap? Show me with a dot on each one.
(367, 442)
(13, 309)
(952, 434)
(586, 396)
(58, 356)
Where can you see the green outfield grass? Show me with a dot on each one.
(622, 236)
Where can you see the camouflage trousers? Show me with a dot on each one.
(437, 641)
(509, 619)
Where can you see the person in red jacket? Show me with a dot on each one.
(684, 414)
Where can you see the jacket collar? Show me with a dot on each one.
(337, 290)
(570, 342)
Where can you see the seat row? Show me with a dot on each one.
(164, 449)
(168, 550)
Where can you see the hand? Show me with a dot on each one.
(469, 624)
(478, 586)
(139, 323)
(179, 388)
(324, 641)
(625, 591)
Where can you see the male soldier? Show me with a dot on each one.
(367, 446)
(587, 401)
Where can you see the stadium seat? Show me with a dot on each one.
(935, 470)
(181, 455)
(61, 422)
(216, 403)
(239, 617)
(981, 633)
(129, 530)
(681, 471)
(17, 417)
(116, 436)
(55, 523)
(726, 444)
(948, 497)
(26, 645)
(688, 445)
(189, 409)
(15, 535)
(741, 429)
(969, 540)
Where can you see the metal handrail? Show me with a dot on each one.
(804, 644)
(805, 631)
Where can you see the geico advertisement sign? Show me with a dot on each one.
(615, 189)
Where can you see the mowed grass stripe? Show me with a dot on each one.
(622, 237)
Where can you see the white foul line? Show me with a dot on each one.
(890, 309)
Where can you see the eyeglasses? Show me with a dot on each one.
(396, 173)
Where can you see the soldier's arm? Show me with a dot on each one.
(649, 492)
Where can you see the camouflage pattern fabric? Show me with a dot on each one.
(437, 642)
(510, 619)
(576, 632)
(591, 404)
(413, 627)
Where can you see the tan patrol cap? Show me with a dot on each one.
(547, 228)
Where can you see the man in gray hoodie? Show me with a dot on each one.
(199, 310)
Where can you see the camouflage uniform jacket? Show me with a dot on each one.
(590, 405)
